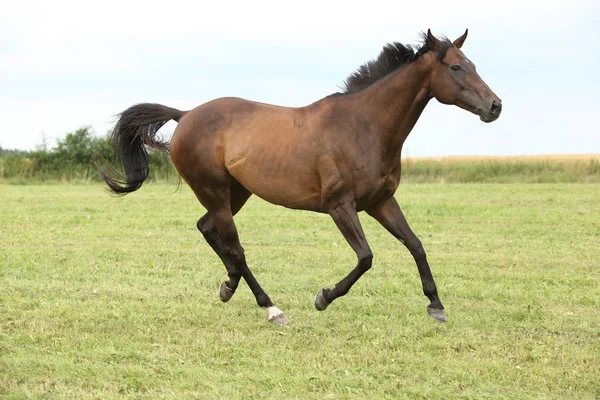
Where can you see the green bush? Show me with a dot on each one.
(72, 160)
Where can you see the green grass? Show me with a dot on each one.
(104, 297)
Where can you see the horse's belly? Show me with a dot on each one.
(287, 185)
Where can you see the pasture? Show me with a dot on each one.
(104, 297)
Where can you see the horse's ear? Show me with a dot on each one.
(461, 40)
(432, 41)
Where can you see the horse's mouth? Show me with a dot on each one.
(486, 116)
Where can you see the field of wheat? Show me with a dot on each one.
(580, 168)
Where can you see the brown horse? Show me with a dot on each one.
(339, 155)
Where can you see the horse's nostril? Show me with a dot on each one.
(496, 107)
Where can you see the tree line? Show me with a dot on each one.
(72, 158)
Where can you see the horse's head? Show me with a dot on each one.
(454, 80)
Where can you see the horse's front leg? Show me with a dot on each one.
(346, 219)
(390, 216)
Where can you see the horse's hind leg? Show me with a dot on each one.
(217, 203)
(209, 231)
(238, 197)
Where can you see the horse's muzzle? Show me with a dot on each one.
(493, 113)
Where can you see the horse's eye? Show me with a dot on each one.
(455, 68)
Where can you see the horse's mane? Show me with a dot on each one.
(393, 56)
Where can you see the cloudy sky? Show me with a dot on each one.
(65, 64)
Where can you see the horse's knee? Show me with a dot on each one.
(365, 261)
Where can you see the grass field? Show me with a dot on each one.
(104, 297)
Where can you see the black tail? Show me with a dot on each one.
(135, 129)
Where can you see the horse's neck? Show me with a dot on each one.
(395, 104)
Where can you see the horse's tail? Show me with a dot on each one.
(136, 128)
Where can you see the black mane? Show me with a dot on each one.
(392, 57)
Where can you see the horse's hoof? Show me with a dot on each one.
(225, 293)
(320, 302)
(276, 316)
(279, 319)
(438, 315)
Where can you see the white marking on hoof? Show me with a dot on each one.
(276, 316)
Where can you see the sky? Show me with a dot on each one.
(67, 64)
